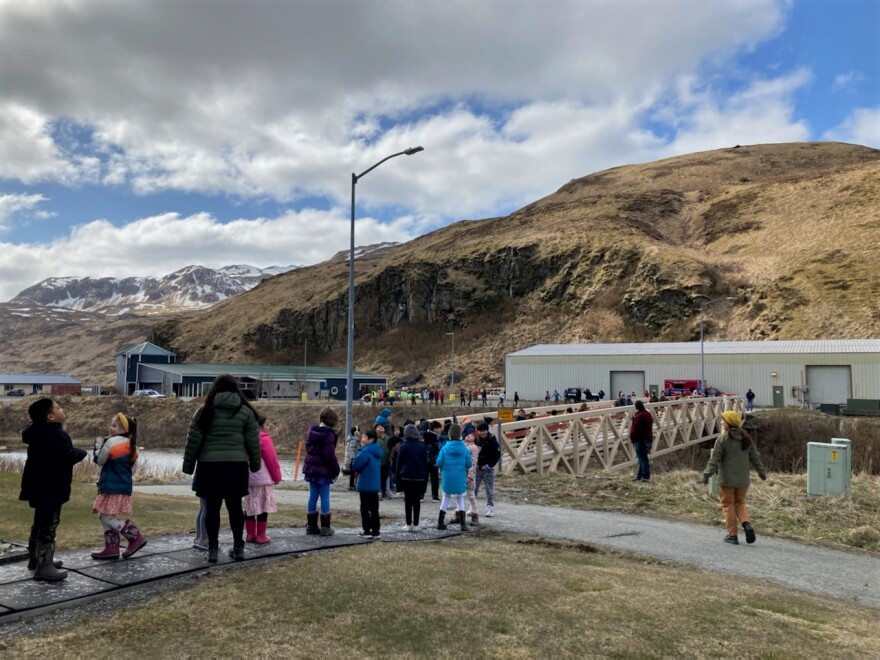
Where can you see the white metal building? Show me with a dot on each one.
(781, 373)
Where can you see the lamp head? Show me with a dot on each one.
(413, 150)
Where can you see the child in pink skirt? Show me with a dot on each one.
(260, 500)
(117, 454)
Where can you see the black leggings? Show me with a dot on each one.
(212, 519)
(370, 513)
(412, 495)
(263, 517)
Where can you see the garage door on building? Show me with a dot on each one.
(829, 384)
(627, 381)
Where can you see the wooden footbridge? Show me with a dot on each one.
(598, 437)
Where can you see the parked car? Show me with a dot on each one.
(18, 392)
(153, 394)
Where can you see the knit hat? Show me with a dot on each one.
(423, 427)
(455, 432)
(732, 418)
(410, 432)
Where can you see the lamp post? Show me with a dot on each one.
(452, 371)
(349, 376)
(703, 307)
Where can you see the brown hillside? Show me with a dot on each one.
(791, 230)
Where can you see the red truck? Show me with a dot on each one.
(689, 387)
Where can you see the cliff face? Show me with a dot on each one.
(791, 231)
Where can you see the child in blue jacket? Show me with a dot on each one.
(368, 464)
(454, 462)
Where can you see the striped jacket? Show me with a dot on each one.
(116, 466)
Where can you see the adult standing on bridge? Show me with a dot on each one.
(732, 457)
(641, 434)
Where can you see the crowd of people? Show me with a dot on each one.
(231, 455)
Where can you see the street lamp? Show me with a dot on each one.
(349, 377)
(703, 306)
(452, 371)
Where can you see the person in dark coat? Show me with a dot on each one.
(320, 469)
(368, 464)
(222, 445)
(412, 474)
(641, 434)
(432, 444)
(45, 483)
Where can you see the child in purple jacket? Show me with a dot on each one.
(320, 469)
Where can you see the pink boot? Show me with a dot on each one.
(111, 546)
(250, 528)
(135, 539)
(261, 532)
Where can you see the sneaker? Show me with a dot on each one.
(750, 532)
(414, 528)
(490, 511)
(435, 499)
(365, 535)
(200, 544)
(377, 536)
(733, 540)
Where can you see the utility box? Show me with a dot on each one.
(829, 467)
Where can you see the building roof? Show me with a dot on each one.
(146, 348)
(260, 371)
(709, 348)
(37, 379)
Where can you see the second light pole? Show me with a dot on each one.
(349, 375)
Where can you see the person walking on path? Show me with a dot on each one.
(454, 461)
(732, 458)
(320, 469)
(516, 399)
(368, 465)
(641, 435)
(750, 400)
(485, 397)
(432, 445)
(222, 448)
(412, 474)
(45, 483)
(490, 454)
(116, 455)
(260, 500)
(352, 444)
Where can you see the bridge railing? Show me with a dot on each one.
(599, 437)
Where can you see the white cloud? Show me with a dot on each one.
(27, 150)
(161, 244)
(282, 100)
(12, 204)
(843, 81)
(861, 127)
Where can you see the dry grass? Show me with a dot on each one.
(156, 515)
(779, 506)
(449, 600)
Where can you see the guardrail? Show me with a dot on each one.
(599, 437)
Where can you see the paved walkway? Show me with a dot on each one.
(819, 570)
(841, 574)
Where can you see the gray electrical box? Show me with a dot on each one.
(829, 467)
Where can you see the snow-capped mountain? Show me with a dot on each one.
(191, 287)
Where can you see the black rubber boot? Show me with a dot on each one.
(312, 523)
(440, 519)
(213, 552)
(462, 520)
(237, 551)
(750, 532)
(32, 557)
(326, 529)
(46, 570)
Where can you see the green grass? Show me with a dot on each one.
(481, 595)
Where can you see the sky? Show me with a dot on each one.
(137, 138)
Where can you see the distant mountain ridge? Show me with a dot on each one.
(192, 287)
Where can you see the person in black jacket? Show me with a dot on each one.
(490, 454)
(431, 436)
(45, 483)
(412, 474)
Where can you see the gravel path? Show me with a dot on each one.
(846, 575)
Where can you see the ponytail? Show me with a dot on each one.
(131, 434)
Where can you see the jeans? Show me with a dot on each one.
(201, 530)
(384, 473)
(748, 405)
(319, 491)
(643, 450)
(370, 513)
(487, 476)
